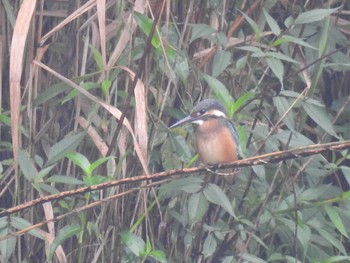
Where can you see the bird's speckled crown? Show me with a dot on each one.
(209, 104)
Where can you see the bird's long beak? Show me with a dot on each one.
(182, 121)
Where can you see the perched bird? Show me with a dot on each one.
(216, 137)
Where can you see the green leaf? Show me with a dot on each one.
(80, 160)
(133, 242)
(336, 220)
(98, 58)
(293, 94)
(229, 259)
(313, 15)
(272, 23)
(346, 171)
(257, 52)
(27, 167)
(219, 89)
(289, 93)
(253, 24)
(216, 195)
(313, 193)
(43, 172)
(303, 234)
(252, 258)
(255, 237)
(277, 68)
(201, 30)
(73, 93)
(44, 188)
(61, 148)
(55, 90)
(65, 233)
(97, 163)
(289, 22)
(105, 86)
(325, 37)
(197, 207)
(260, 171)
(296, 140)
(219, 38)
(189, 185)
(242, 137)
(20, 224)
(7, 246)
(221, 60)
(280, 56)
(175, 150)
(341, 259)
(209, 246)
(320, 116)
(50, 93)
(94, 180)
(158, 255)
(290, 259)
(182, 68)
(145, 23)
(292, 39)
(241, 62)
(243, 98)
(10, 13)
(5, 119)
(172, 55)
(276, 257)
(331, 239)
(282, 106)
(62, 179)
(148, 246)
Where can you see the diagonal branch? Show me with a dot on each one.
(251, 161)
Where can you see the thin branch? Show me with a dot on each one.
(256, 160)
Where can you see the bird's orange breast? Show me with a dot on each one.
(215, 143)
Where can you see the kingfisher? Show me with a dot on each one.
(216, 138)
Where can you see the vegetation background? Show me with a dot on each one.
(281, 68)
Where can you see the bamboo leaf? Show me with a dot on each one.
(314, 15)
(272, 23)
(61, 148)
(133, 242)
(336, 219)
(215, 195)
(320, 116)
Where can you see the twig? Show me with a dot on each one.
(256, 160)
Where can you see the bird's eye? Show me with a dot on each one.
(200, 113)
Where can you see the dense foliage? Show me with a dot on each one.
(279, 67)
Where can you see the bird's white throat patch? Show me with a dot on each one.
(199, 122)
